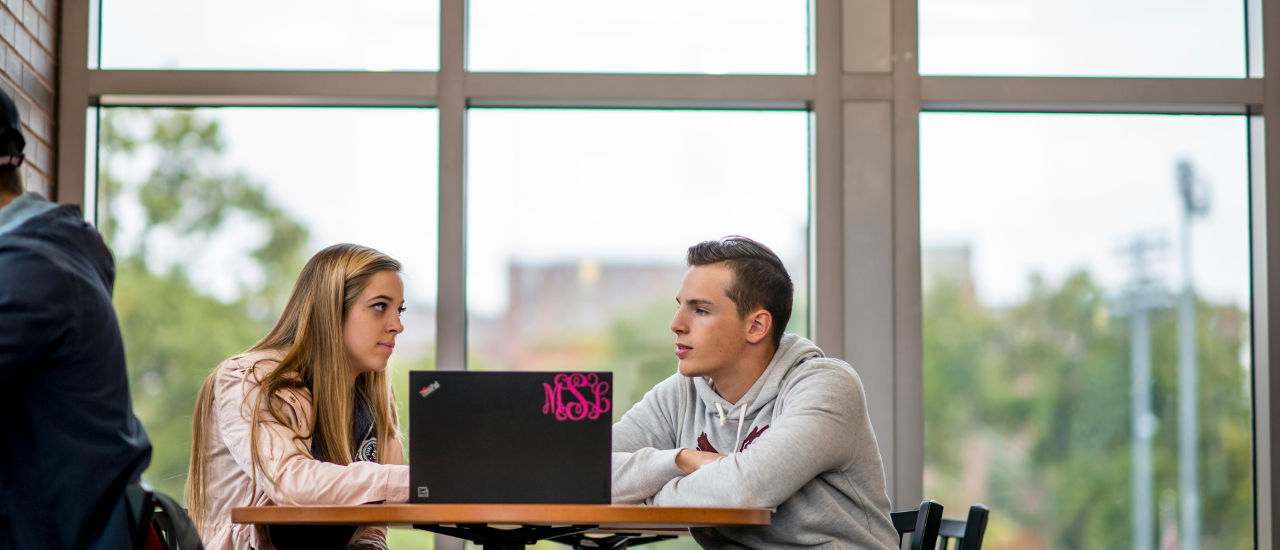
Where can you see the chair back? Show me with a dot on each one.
(966, 533)
(922, 523)
(159, 522)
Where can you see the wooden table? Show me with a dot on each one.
(509, 526)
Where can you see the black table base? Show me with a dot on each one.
(614, 541)
(493, 538)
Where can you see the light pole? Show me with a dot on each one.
(1143, 296)
(1194, 203)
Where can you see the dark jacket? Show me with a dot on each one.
(69, 436)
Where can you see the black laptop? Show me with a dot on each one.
(509, 437)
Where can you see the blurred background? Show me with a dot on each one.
(1083, 278)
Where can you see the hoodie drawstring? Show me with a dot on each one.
(742, 419)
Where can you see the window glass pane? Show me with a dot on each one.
(659, 36)
(578, 223)
(1061, 304)
(1180, 38)
(281, 34)
(211, 214)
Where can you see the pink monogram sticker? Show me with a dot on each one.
(576, 396)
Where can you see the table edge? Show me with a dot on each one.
(515, 514)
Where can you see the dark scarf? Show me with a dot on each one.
(364, 444)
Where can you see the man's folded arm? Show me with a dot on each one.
(644, 445)
(638, 475)
(813, 435)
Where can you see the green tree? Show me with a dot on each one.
(1028, 409)
(164, 200)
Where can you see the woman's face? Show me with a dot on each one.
(373, 322)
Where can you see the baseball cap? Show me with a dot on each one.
(11, 138)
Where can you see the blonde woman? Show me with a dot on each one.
(306, 416)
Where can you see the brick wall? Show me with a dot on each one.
(28, 69)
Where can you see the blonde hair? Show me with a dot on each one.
(310, 333)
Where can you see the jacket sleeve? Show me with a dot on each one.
(33, 312)
(374, 537)
(292, 476)
(645, 444)
(812, 433)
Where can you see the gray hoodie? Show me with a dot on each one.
(799, 441)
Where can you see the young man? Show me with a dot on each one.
(754, 418)
(71, 440)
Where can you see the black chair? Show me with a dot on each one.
(159, 520)
(967, 533)
(923, 524)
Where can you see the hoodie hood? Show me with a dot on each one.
(61, 234)
(792, 351)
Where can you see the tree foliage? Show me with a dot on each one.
(1028, 409)
(165, 203)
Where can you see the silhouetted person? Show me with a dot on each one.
(71, 441)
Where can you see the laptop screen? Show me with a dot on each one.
(509, 437)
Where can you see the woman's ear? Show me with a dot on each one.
(759, 325)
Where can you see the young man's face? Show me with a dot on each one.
(710, 335)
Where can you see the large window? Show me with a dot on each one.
(656, 36)
(1087, 326)
(578, 222)
(1003, 250)
(1084, 38)
(286, 34)
(211, 214)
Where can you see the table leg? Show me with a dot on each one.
(616, 541)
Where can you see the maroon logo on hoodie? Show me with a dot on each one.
(704, 444)
(755, 432)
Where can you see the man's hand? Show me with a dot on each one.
(689, 460)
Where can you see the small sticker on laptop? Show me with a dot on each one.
(426, 390)
(422, 491)
(576, 396)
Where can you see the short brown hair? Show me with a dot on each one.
(759, 278)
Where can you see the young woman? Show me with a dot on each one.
(306, 416)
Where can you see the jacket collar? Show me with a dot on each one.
(23, 208)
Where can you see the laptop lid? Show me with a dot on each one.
(510, 437)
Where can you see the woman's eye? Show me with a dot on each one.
(400, 310)
(381, 307)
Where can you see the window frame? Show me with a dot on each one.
(864, 97)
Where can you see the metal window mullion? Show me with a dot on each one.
(826, 294)
(1263, 231)
(867, 213)
(451, 314)
(1264, 141)
(451, 290)
(908, 390)
(262, 88)
(1090, 95)
(868, 266)
(73, 104)
(666, 91)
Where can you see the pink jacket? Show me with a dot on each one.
(299, 478)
